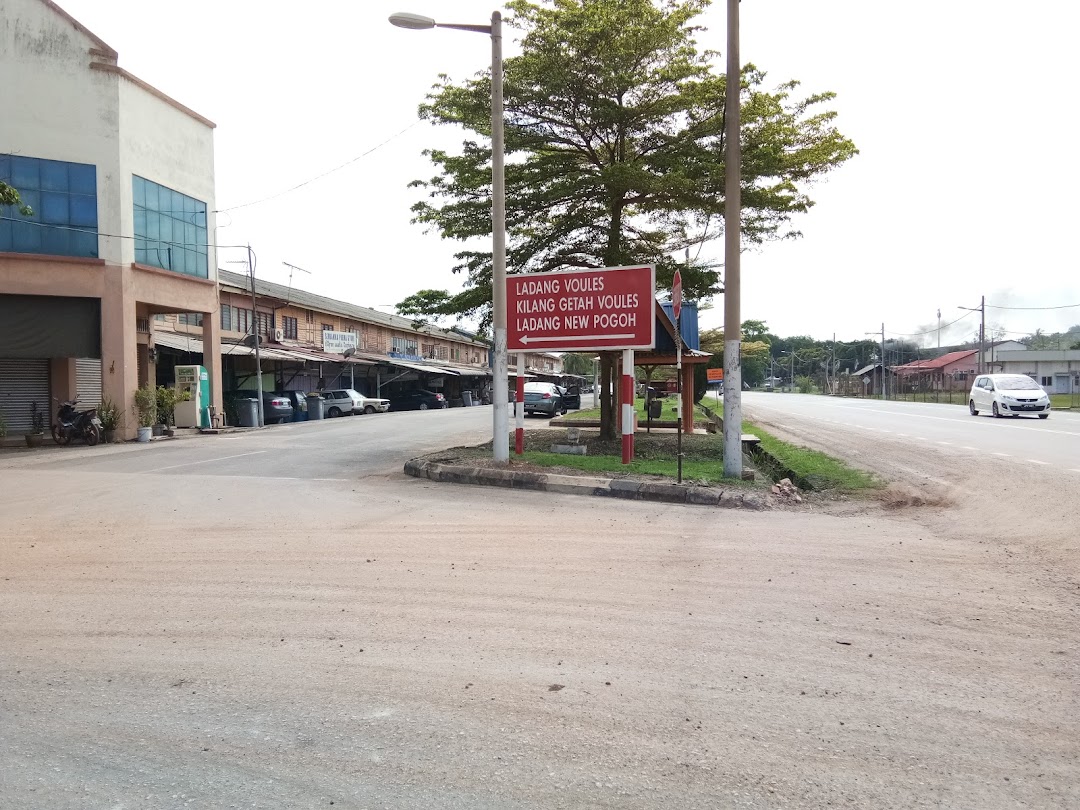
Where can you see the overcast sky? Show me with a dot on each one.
(965, 185)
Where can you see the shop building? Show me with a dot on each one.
(120, 178)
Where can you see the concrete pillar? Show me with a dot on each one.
(119, 361)
(211, 337)
(63, 384)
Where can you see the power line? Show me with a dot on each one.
(320, 176)
(929, 331)
(1064, 306)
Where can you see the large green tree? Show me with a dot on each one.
(615, 150)
(614, 141)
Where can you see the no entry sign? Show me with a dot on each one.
(582, 310)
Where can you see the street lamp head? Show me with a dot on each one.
(416, 22)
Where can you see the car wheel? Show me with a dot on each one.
(995, 410)
(369, 409)
(333, 412)
(1044, 416)
(423, 406)
(971, 407)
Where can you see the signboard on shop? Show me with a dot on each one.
(582, 310)
(338, 342)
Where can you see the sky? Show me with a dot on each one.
(965, 185)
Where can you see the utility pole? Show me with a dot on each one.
(884, 379)
(939, 329)
(255, 334)
(732, 245)
(982, 330)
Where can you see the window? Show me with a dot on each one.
(1047, 381)
(160, 317)
(226, 318)
(64, 199)
(290, 327)
(170, 229)
(404, 346)
(242, 320)
(328, 327)
(309, 317)
(266, 323)
(442, 353)
(190, 318)
(428, 350)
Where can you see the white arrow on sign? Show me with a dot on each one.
(563, 338)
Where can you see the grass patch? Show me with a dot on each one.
(710, 472)
(812, 469)
(668, 414)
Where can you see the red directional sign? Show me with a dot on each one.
(676, 294)
(582, 310)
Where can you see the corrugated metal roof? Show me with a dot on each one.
(308, 300)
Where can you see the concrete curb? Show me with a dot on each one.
(585, 485)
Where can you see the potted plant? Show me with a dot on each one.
(37, 426)
(146, 411)
(111, 418)
(166, 405)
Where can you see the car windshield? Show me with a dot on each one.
(1017, 384)
(354, 394)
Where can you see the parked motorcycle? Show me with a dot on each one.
(71, 423)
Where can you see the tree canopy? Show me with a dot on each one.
(614, 124)
(10, 196)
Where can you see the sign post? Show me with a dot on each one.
(601, 309)
(519, 396)
(676, 309)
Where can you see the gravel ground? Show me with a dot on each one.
(214, 641)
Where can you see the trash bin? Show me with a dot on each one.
(467, 397)
(247, 411)
(314, 407)
(656, 408)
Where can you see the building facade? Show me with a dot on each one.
(1056, 370)
(120, 178)
(302, 339)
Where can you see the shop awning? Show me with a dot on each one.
(187, 343)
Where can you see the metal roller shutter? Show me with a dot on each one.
(23, 382)
(88, 382)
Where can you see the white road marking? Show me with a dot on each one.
(1036, 461)
(1003, 455)
(1075, 471)
(208, 460)
(947, 444)
(965, 447)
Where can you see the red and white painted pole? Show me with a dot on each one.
(627, 399)
(519, 429)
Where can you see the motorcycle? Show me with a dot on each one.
(71, 423)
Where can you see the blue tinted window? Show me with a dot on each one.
(63, 197)
(170, 229)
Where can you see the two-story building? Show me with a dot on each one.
(303, 337)
(120, 179)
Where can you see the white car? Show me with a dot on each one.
(1008, 395)
(342, 401)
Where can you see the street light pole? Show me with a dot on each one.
(500, 388)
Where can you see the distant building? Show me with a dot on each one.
(1056, 370)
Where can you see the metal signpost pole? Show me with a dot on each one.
(627, 406)
(519, 431)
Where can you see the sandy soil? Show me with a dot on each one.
(395, 643)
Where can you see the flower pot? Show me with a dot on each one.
(109, 436)
(145, 433)
(34, 439)
(159, 430)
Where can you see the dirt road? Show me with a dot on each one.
(226, 641)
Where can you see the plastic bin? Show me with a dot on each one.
(656, 408)
(467, 397)
(314, 407)
(247, 411)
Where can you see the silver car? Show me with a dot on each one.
(342, 401)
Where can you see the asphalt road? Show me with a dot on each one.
(283, 619)
(1053, 442)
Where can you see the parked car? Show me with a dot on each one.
(276, 407)
(347, 401)
(418, 400)
(1008, 395)
(545, 398)
(572, 397)
(298, 400)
